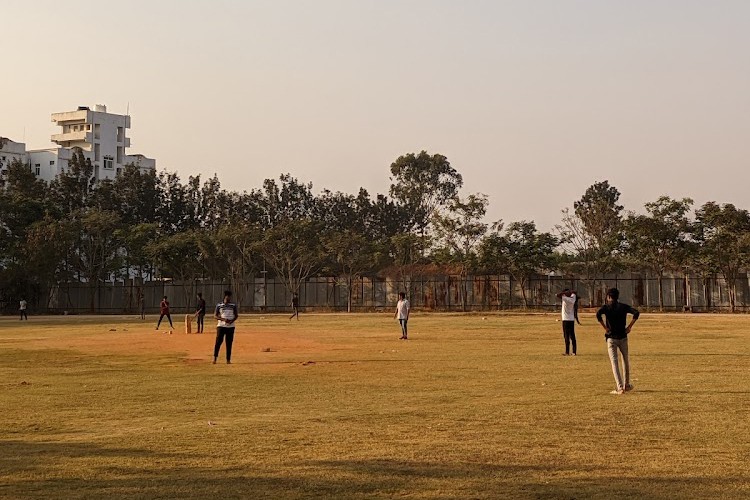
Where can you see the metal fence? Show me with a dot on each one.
(432, 293)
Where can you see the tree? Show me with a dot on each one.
(423, 183)
(601, 215)
(22, 203)
(98, 249)
(459, 230)
(72, 190)
(657, 241)
(138, 195)
(292, 248)
(50, 244)
(236, 246)
(174, 212)
(291, 200)
(723, 231)
(592, 234)
(179, 257)
(522, 251)
(352, 254)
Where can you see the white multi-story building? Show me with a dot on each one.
(9, 151)
(101, 137)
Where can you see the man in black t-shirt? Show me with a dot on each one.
(616, 334)
(200, 312)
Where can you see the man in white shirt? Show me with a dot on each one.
(402, 313)
(569, 318)
(226, 314)
(22, 307)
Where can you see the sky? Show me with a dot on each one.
(532, 101)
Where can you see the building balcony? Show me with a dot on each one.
(80, 116)
(79, 136)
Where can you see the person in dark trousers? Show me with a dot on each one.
(226, 313)
(22, 305)
(164, 311)
(569, 317)
(295, 307)
(200, 312)
(615, 316)
(402, 313)
(141, 302)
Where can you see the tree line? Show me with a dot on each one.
(149, 225)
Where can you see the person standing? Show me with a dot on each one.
(141, 302)
(164, 311)
(616, 333)
(295, 307)
(226, 313)
(569, 317)
(402, 313)
(200, 312)
(22, 305)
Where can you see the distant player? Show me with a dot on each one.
(295, 307)
(200, 312)
(616, 334)
(226, 313)
(22, 305)
(164, 311)
(402, 313)
(569, 317)
(141, 302)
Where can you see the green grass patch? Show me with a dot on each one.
(473, 406)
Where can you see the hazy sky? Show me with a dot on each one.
(531, 101)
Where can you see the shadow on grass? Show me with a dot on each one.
(688, 391)
(59, 470)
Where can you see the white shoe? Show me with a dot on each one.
(616, 391)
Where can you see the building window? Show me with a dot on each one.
(108, 162)
(119, 170)
(37, 169)
(52, 163)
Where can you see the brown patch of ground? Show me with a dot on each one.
(276, 342)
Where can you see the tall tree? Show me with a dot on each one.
(723, 231)
(423, 183)
(179, 257)
(522, 251)
(98, 249)
(237, 248)
(459, 230)
(293, 250)
(138, 195)
(73, 188)
(658, 240)
(351, 255)
(288, 201)
(592, 234)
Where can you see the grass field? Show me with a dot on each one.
(95, 407)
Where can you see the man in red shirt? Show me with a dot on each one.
(164, 311)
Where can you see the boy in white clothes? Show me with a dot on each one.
(569, 317)
(402, 313)
(226, 314)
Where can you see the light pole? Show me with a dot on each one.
(264, 273)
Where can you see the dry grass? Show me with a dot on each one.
(469, 408)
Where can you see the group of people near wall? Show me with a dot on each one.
(612, 316)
